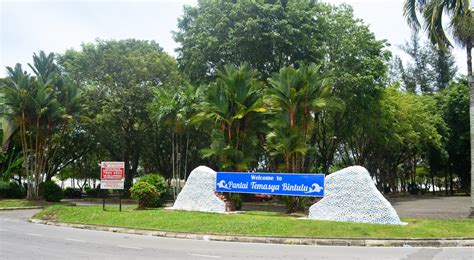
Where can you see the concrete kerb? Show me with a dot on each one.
(409, 242)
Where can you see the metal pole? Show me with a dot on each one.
(120, 200)
(103, 203)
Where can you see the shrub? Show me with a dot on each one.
(145, 193)
(4, 189)
(51, 191)
(96, 193)
(413, 188)
(294, 203)
(237, 200)
(72, 193)
(11, 190)
(161, 187)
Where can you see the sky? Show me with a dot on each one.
(27, 26)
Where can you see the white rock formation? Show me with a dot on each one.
(351, 196)
(198, 192)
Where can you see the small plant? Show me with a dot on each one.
(237, 200)
(161, 187)
(72, 193)
(51, 191)
(294, 203)
(145, 193)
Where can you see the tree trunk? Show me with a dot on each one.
(173, 164)
(469, 59)
(185, 177)
(471, 116)
(128, 173)
(451, 182)
(433, 182)
(446, 183)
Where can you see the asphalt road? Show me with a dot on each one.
(23, 240)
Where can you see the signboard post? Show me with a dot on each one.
(289, 184)
(112, 176)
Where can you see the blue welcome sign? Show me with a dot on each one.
(271, 183)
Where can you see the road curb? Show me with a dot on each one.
(408, 242)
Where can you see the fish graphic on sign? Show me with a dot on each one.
(223, 185)
(315, 188)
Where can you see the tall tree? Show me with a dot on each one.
(118, 78)
(428, 70)
(267, 34)
(444, 67)
(461, 17)
(174, 138)
(42, 107)
(406, 128)
(273, 34)
(454, 104)
(232, 104)
(294, 97)
(357, 62)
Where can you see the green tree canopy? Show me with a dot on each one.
(231, 105)
(118, 78)
(42, 107)
(268, 34)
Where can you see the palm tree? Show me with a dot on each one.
(19, 91)
(233, 104)
(462, 23)
(39, 105)
(294, 97)
(174, 109)
(43, 66)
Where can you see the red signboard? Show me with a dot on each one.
(112, 175)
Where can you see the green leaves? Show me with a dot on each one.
(267, 35)
(119, 79)
(231, 106)
(293, 98)
(460, 14)
(41, 106)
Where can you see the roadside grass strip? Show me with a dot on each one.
(21, 203)
(254, 223)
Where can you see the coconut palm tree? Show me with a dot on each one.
(461, 16)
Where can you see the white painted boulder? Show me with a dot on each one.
(198, 192)
(351, 196)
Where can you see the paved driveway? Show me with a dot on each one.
(422, 206)
(432, 206)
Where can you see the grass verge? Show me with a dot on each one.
(254, 223)
(21, 203)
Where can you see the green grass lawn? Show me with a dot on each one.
(20, 203)
(255, 223)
